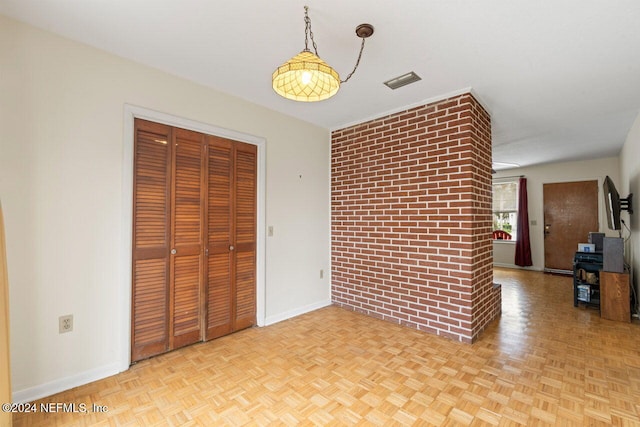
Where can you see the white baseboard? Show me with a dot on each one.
(270, 320)
(505, 265)
(43, 390)
(47, 389)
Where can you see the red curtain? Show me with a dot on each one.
(523, 243)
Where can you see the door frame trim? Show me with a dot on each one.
(132, 112)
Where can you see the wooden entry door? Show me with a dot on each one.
(194, 238)
(570, 213)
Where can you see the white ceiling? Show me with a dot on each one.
(560, 78)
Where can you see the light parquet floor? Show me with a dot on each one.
(543, 362)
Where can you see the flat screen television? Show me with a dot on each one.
(614, 204)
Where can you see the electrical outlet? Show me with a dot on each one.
(270, 231)
(65, 323)
(321, 274)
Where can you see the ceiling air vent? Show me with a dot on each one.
(402, 80)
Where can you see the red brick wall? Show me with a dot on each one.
(411, 218)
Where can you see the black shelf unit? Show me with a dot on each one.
(586, 290)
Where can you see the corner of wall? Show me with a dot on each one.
(630, 183)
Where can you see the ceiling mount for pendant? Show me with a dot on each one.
(306, 77)
(364, 31)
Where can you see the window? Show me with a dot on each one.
(505, 209)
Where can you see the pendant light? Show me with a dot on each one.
(306, 77)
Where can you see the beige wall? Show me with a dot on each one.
(537, 176)
(63, 178)
(630, 183)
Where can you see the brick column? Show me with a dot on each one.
(411, 218)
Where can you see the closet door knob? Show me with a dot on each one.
(231, 247)
(173, 252)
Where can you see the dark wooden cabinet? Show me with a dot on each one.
(593, 287)
(586, 278)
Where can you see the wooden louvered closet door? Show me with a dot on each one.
(245, 235)
(194, 238)
(220, 223)
(151, 240)
(186, 283)
(231, 246)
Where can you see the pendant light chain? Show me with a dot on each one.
(308, 34)
(357, 62)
